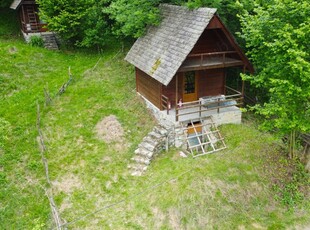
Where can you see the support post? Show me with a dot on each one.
(176, 97)
(242, 90)
(161, 98)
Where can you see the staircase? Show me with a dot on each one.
(50, 41)
(151, 145)
(32, 26)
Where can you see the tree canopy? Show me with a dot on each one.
(5, 3)
(89, 22)
(277, 37)
(81, 22)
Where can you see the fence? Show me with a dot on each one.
(231, 98)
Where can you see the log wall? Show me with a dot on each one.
(211, 82)
(148, 87)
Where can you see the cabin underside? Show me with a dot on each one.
(29, 18)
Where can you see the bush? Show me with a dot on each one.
(36, 41)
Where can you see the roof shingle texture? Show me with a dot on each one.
(161, 52)
(15, 4)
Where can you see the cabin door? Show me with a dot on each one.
(189, 86)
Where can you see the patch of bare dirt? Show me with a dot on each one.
(159, 217)
(110, 130)
(67, 184)
(174, 219)
(13, 50)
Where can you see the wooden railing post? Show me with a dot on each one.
(165, 103)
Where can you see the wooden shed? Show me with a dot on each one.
(28, 16)
(185, 59)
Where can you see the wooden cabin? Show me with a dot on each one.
(28, 16)
(185, 58)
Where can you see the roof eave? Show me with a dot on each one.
(15, 4)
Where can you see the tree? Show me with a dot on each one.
(90, 22)
(132, 16)
(81, 22)
(5, 3)
(277, 37)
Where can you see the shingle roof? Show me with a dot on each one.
(15, 4)
(161, 52)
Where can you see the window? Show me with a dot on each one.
(189, 84)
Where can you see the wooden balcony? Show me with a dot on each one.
(211, 61)
(33, 27)
(206, 106)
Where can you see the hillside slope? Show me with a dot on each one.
(239, 188)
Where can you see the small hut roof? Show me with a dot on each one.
(161, 52)
(15, 4)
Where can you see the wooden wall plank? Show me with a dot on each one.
(148, 87)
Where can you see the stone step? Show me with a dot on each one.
(155, 135)
(50, 41)
(144, 153)
(161, 130)
(151, 140)
(141, 160)
(137, 173)
(147, 146)
(151, 145)
(137, 167)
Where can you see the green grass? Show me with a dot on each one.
(24, 73)
(232, 189)
(9, 27)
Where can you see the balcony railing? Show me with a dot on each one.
(34, 27)
(231, 98)
(165, 103)
(222, 59)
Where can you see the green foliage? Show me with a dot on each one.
(5, 3)
(36, 41)
(289, 193)
(90, 23)
(277, 37)
(83, 23)
(9, 26)
(132, 16)
(97, 25)
(228, 11)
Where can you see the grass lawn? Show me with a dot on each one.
(242, 187)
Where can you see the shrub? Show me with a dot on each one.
(36, 41)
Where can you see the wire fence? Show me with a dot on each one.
(57, 220)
